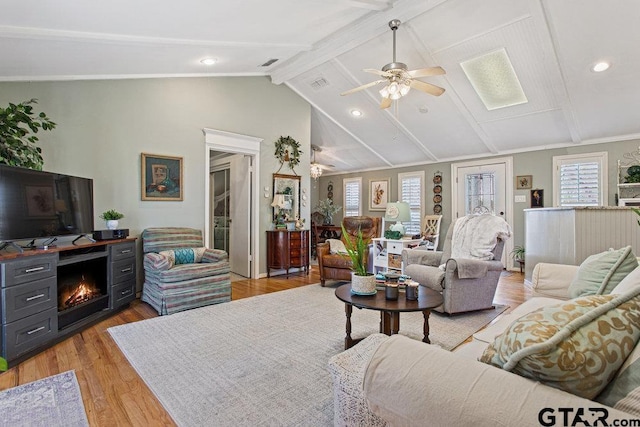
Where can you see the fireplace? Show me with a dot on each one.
(82, 290)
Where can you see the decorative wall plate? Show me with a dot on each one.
(437, 209)
(437, 189)
(437, 198)
(437, 179)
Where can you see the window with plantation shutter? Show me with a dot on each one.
(352, 196)
(580, 180)
(410, 189)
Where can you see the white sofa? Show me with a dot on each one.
(402, 382)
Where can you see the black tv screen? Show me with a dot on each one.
(35, 204)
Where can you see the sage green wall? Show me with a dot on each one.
(104, 125)
(539, 164)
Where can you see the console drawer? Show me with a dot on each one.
(122, 251)
(395, 248)
(122, 294)
(123, 270)
(26, 334)
(29, 298)
(28, 269)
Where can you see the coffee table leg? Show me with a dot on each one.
(348, 341)
(389, 322)
(426, 314)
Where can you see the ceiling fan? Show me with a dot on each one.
(317, 168)
(399, 79)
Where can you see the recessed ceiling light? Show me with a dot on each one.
(494, 79)
(356, 113)
(209, 61)
(600, 67)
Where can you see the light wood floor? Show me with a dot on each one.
(114, 394)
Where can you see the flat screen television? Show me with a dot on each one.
(36, 204)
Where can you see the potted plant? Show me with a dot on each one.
(518, 255)
(362, 282)
(18, 126)
(328, 209)
(111, 217)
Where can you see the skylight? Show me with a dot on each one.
(494, 80)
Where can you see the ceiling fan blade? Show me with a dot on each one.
(378, 72)
(427, 87)
(365, 86)
(385, 103)
(427, 72)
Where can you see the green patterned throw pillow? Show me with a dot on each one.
(184, 256)
(600, 273)
(576, 346)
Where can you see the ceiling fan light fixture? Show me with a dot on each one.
(384, 92)
(315, 171)
(405, 88)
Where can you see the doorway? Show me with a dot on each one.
(242, 219)
(484, 186)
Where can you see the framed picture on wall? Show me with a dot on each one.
(378, 194)
(524, 182)
(537, 198)
(161, 178)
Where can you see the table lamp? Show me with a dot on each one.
(398, 212)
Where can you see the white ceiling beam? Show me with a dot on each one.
(351, 134)
(369, 4)
(387, 112)
(349, 38)
(550, 37)
(427, 57)
(82, 36)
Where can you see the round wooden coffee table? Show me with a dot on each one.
(389, 309)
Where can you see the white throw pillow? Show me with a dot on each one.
(630, 281)
(336, 246)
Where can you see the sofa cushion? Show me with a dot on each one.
(623, 389)
(600, 273)
(576, 346)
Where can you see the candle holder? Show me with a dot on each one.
(411, 291)
(391, 291)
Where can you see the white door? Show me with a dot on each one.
(484, 186)
(240, 215)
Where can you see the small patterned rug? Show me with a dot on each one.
(51, 401)
(261, 361)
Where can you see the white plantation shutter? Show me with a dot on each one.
(580, 180)
(410, 191)
(352, 196)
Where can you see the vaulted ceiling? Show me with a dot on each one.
(322, 46)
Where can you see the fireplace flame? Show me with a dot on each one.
(84, 291)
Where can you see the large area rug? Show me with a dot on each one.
(261, 361)
(52, 401)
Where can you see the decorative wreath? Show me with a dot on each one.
(288, 150)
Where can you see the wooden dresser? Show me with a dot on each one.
(287, 249)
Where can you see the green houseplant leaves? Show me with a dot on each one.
(18, 126)
(357, 251)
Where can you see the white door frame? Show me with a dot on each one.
(508, 176)
(218, 140)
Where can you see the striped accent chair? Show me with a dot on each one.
(179, 273)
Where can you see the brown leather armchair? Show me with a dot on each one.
(337, 266)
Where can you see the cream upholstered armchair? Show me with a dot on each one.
(468, 268)
(179, 273)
